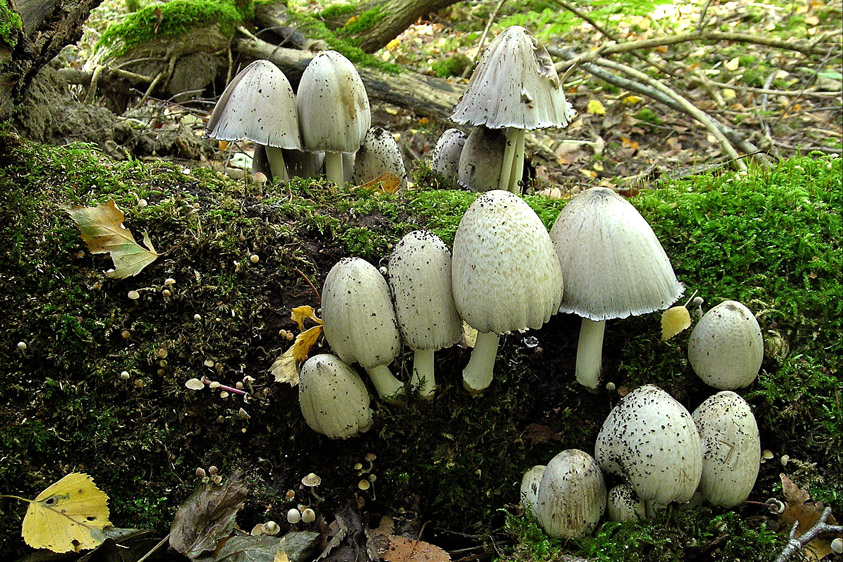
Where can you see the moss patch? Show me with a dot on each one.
(10, 24)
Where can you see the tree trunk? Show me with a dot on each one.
(47, 26)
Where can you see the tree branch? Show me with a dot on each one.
(796, 544)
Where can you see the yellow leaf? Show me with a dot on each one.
(595, 108)
(392, 45)
(280, 556)
(284, 369)
(811, 20)
(300, 313)
(632, 100)
(67, 516)
(729, 94)
(628, 143)
(385, 183)
(103, 232)
(469, 335)
(304, 341)
(733, 64)
(675, 320)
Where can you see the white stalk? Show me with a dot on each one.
(477, 375)
(423, 377)
(333, 167)
(519, 136)
(590, 353)
(506, 162)
(387, 386)
(276, 163)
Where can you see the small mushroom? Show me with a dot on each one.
(624, 505)
(312, 481)
(446, 154)
(379, 154)
(726, 347)
(293, 516)
(333, 398)
(479, 166)
(572, 495)
(308, 515)
(529, 492)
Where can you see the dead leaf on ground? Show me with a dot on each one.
(394, 548)
(675, 320)
(799, 508)
(301, 313)
(537, 433)
(384, 183)
(285, 368)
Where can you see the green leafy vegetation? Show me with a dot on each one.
(10, 24)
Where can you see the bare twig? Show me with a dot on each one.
(161, 543)
(479, 52)
(768, 91)
(796, 544)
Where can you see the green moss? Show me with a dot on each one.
(10, 24)
(452, 66)
(175, 18)
(362, 22)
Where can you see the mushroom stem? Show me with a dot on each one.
(590, 353)
(477, 375)
(333, 167)
(519, 137)
(276, 163)
(387, 386)
(506, 162)
(423, 377)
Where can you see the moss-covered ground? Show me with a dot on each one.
(771, 239)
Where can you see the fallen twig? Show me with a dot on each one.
(796, 544)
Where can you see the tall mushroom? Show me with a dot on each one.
(334, 112)
(359, 322)
(259, 105)
(333, 399)
(419, 274)
(505, 276)
(613, 266)
(515, 87)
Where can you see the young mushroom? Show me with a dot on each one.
(623, 504)
(613, 266)
(333, 398)
(378, 155)
(572, 495)
(505, 276)
(515, 87)
(446, 154)
(479, 166)
(359, 322)
(529, 492)
(259, 105)
(419, 274)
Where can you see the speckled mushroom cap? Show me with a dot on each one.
(623, 505)
(651, 441)
(505, 274)
(515, 85)
(726, 347)
(419, 274)
(357, 315)
(529, 491)
(612, 262)
(333, 398)
(479, 166)
(378, 154)
(572, 495)
(446, 154)
(259, 105)
(334, 112)
(731, 448)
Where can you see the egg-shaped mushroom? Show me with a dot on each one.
(333, 399)
(572, 495)
(624, 505)
(529, 491)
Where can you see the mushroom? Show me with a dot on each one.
(731, 448)
(312, 481)
(505, 276)
(359, 322)
(479, 166)
(378, 155)
(572, 495)
(650, 440)
(419, 272)
(624, 505)
(529, 492)
(446, 155)
(334, 112)
(613, 266)
(726, 347)
(333, 398)
(259, 105)
(515, 87)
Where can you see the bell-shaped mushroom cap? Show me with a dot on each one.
(651, 441)
(334, 112)
(515, 85)
(420, 278)
(259, 105)
(529, 492)
(726, 347)
(357, 315)
(731, 448)
(624, 505)
(572, 495)
(612, 262)
(446, 155)
(378, 155)
(505, 274)
(479, 166)
(333, 398)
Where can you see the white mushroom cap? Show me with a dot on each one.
(515, 85)
(479, 166)
(357, 315)
(333, 399)
(624, 505)
(334, 112)
(529, 492)
(651, 441)
(259, 105)
(446, 155)
(612, 262)
(420, 278)
(505, 273)
(731, 448)
(378, 155)
(726, 347)
(572, 495)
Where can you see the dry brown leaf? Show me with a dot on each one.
(285, 368)
(384, 183)
(800, 509)
(394, 548)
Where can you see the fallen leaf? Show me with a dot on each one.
(285, 368)
(300, 313)
(68, 516)
(800, 509)
(595, 107)
(194, 384)
(305, 341)
(674, 321)
(629, 143)
(387, 182)
(469, 335)
(103, 232)
(537, 433)
(394, 548)
(295, 546)
(733, 64)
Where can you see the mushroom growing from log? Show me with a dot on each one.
(333, 399)
(259, 105)
(572, 495)
(613, 266)
(419, 274)
(505, 276)
(515, 87)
